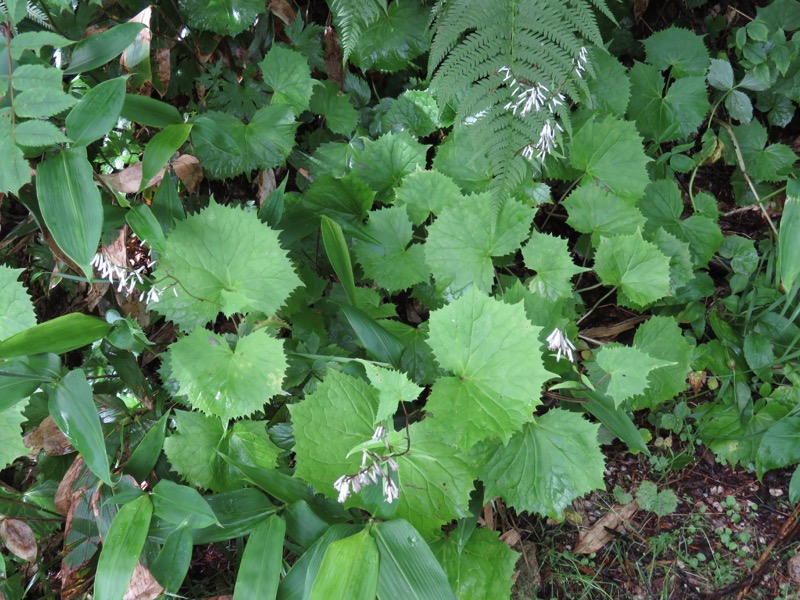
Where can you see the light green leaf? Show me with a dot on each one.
(415, 111)
(14, 169)
(789, 242)
(465, 236)
(38, 134)
(637, 267)
(73, 409)
(408, 568)
(227, 383)
(394, 264)
(149, 111)
(547, 465)
(345, 199)
(678, 49)
(59, 335)
(260, 569)
(426, 192)
(339, 256)
(625, 371)
(549, 257)
(147, 452)
(720, 75)
(780, 445)
(181, 505)
(462, 158)
(349, 569)
(394, 39)
(287, 74)
(739, 106)
(121, 549)
(33, 40)
(96, 50)
(35, 104)
(37, 78)
(594, 210)
(71, 205)
(172, 563)
(329, 101)
(226, 17)
(226, 147)
(494, 356)
(681, 270)
(11, 446)
(343, 408)
(384, 162)
(222, 259)
(160, 149)
(610, 87)
(599, 149)
(16, 308)
(482, 569)
(98, 111)
(393, 387)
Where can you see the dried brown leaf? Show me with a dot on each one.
(48, 437)
(66, 489)
(143, 585)
(599, 534)
(143, 37)
(186, 167)
(639, 8)
(283, 10)
(19, 539)
(265, 180)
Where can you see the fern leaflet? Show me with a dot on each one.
(351, 17)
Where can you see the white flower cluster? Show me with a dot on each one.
(558, 341)
(530, 98)
(380, 468)
(126, 278)
(580, 62)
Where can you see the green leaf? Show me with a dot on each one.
(160, 149)
(287, 74)
(96, 50)
(97, 112)
(121, 549)
(549, 257)
(149, 111)
(16, 308)
(172, 563)
(223, 382)
(393, 387)
(408, 568)
(465, 236)
(789, 243)
(33, 40)
(222, 259)
(624, 371)
(493, 353)
(344, 199)
(637, 267)
(415, 111)
(482, 568)
(720, 75)
(226, 147)
(226, 17)
(596, 211)
(20, 377)
(384, 162)
(35, 104)
(394, 263)
(342, 407)
(71, 205)
(394, 39)
(73, 409)
(547, 465)
(600, 147)
(680, 50)
(681, 270)
(37, 78)
(59, 335)
(260, 569)
(339, 256)
(11, 446)
(145, 455)
(615, 418)
(38, 134)
(349, 569)
(610, 87)
(661, 338)
(381, 344)
(181, 505)
(739, 106)
(329, 101)
(794, 486)
(462, 158)
(145, 225)
(14, 169)
(426, 192)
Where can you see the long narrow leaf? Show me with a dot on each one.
(121, 549)
(144, 456)
(376, 340)
(789, 242)
(97, 50)
(71, 205)
(149, 111)
(260, 569)
(73, 409)
(97, 112)
(616, 419)
(59, 335)
(159, 150)
(172, 563)
(339, 255)
(349, 570)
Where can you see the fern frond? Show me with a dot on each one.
(351, 17)
(37, 15)
(492, 58)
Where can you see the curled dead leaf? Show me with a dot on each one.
(599, 534)
(143, 585)
(48, 437)
(283, 10)
(19, 539)
(132, 55)
(128, 181)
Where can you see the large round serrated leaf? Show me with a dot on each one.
(547, 465)
(222, 260)
(223, 382)
(390, 42)
(636, 266)
(226, 17)
(16, 308)
(494, 353)
(287, 74)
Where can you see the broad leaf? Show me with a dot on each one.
(780, 445)
(426, 192)
(96, 50)
(98, 111)
(493, 353)
(261, 565)
(59, 335)
(596, 211)
(394, 39)
(345, 200)
(222, 260)
(599, 148)
(70, 204)
(14, 169)
(172, 563)
(160, 149)
(549, 257)
(349, 569)
(393, 387)
(181, 505)
(329, 101)
(394, 264)
(465, 237)
(287, 74)
(384, 162)
(789, 243)
(624, 371)
(226, 17)
(547, 465)
(16, 308)
(38, 134)
(678, 49)
(636, 266)
(482, 568)
(11, 446)
(224, 382)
